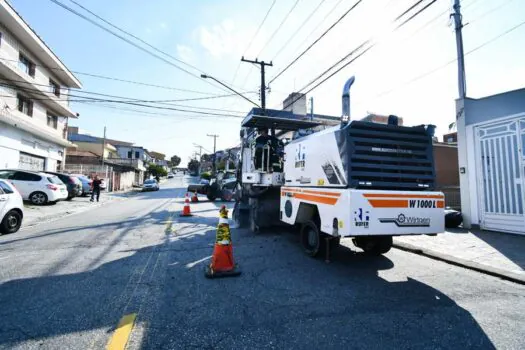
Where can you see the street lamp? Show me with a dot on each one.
(204, 76)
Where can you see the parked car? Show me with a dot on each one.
(102, 184)
(11, 208)
(86, 184)
(38, 188)
(73, 184)
(150, 185)
(170, 176)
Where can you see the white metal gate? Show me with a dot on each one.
(501, 175)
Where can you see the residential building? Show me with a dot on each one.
(112, 155)
(451, 137)
(134, 152)
(159, 159)
(491, 152)
(34, 100)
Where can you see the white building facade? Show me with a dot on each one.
(491, 155)
(34, 98)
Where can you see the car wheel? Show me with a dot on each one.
(11, 222)
(38, 198)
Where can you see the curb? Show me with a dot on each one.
(471, 265)
(51, 218)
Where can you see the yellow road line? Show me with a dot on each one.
(121, 335)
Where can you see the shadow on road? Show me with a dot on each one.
(283, 300)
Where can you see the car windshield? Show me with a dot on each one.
(149, 181)
(55, 180)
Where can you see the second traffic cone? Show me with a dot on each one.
(222, 262)
(194, 198)
(186, 211)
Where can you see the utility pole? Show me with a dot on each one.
(214, 150)
(103, 145)
(458, 25)
(263, 83)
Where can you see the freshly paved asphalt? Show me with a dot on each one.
(66, 284)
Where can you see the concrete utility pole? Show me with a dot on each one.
(214, 150)
(263, 83)
(458, 25)
(103, 145)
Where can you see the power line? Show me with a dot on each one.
(421, 76)
(86, 99)
(316, 41)
(299, 28)
(279, 27)
(319, 24)
(116, 79)
(135, 37)
(252, 39)
(369, 44)
(164, 102)
(129, 41)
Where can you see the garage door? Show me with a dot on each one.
(31, 162)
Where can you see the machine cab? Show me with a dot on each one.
(264, 133)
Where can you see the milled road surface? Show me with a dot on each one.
(66, 284)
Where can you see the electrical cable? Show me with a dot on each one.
(298, 29)
(133, 44)
(315, 41)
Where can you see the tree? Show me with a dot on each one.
(193, 165)
(157, 170)
(175, 160)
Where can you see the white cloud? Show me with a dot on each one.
(163, 25)
(221, 39)
(185, 53)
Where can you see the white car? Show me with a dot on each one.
(11, 208)
(150, 185)
(38, 188)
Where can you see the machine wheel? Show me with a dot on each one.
(374, 245)
(11, 222)
(253, 220)
(311, 238)
(38, 198)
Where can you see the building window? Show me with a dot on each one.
(52, 121)
(26, 65)
(137, 154)
(54, 88)
(129, 154)
(25, 105)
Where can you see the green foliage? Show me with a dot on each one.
(206, 175)
(157, 170)
(193, 165)
(175, 161)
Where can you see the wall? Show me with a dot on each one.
(96, 148)
(13, 141)
(472, 112)
(10, 49)
(446, 165)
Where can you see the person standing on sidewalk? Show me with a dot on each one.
(95, 188)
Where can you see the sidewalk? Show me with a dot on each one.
(37, 214)
(494, 253)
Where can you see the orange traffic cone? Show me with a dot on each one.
(194, 198)
(222, 263)
(186, 211)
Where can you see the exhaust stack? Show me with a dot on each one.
(345, 117)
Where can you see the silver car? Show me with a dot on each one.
(150, 185)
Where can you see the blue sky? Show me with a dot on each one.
(213, 34)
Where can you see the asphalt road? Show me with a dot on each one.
(66, 284)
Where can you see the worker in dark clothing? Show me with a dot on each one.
(95, 187)
(261, 142)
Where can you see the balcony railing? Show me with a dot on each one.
(135, 163)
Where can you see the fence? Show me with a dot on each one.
(452, 196)
(103, 171)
